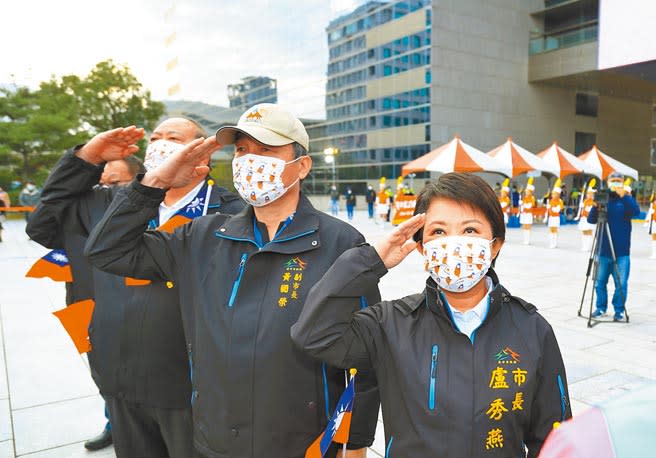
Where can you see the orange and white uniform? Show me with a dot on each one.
(526, 207)
(504, 201)
(554, 209)
(588, 203)
(651, 217)
(382, 203)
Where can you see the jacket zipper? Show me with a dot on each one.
(563, 398)
(235, 285)
(190, 354)
(389, 447)
(433, 378)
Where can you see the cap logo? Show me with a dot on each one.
(254, 115)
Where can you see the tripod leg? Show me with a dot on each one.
(587, 274)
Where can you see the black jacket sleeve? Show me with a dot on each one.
(69, 183)
(120, 243)
(327, 328)
(551, 402)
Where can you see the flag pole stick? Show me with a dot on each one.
(346, 382)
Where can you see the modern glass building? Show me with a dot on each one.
(404, 77)
(252, 90)
(377, 94)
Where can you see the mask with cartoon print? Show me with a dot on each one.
(159, 151)
(457, 263)
(258, 179)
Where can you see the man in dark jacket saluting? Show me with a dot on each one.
(139, 355)
(243, 281)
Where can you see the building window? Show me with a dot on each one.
(427, 132)
(427, 78)
(583, 141)
(586, 104)
(652, 152)
(653, 115)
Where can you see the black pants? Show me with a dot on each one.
(150, 432)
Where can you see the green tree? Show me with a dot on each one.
(36, 126)
(111, 96)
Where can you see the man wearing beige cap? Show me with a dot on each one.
(243, 280)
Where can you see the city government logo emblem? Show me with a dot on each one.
(507, 356)
(295, 264)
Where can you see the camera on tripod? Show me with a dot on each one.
(602, 197)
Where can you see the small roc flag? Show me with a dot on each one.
(76, 319)
(339, 425)
(53, 265)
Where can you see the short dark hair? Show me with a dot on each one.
(299, 150)
(466, 189)
(135, 166)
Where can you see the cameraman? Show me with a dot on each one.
(622, 207)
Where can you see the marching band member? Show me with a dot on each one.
(526, 206)
(554, 208)
(382, 203)
(584, 210)
(650, 222)
(504, 199)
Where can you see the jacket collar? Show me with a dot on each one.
(219, 196)
(433, 300)
(305, 223)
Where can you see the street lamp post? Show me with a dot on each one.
(330, 155)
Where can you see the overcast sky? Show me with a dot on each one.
(218, 42)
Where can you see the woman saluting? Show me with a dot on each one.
(464, 368)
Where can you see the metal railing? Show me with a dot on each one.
(548, 43)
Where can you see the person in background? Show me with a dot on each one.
(515, 196)
(5, 201)
(382, 205)
(555, 207)
(465, 369)
(622, 207)
(371, 200)
(29, 197)
(334, 200)
(526, 206)
(504, 200)
(651, 225)
(586, 206)
(350, 203)
(121, 171)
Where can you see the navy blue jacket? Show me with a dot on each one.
(620, 212)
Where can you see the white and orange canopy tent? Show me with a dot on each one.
(604, 165)
(455, 156)
(520, 160)
(565, 163)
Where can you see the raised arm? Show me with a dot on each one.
(71, 181)
(120, 244)
(328, 328)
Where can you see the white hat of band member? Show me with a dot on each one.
(268, 123)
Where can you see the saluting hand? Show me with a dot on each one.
(184, 166)
(111, 145)
(394, 248)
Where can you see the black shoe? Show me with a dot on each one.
(101, 441)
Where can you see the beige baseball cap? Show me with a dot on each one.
(267, 123)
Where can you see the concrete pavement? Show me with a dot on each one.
(49, 404)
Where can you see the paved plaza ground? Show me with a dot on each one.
(49, 404)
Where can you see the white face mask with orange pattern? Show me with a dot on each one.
(458, 263)
(258, 179)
